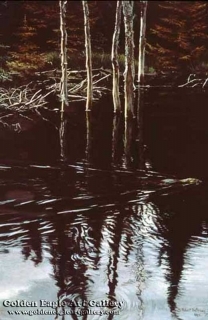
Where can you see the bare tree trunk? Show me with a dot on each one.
(114, 59)
(129, 72)
(142, 43)
(88, 55)
(64, 93)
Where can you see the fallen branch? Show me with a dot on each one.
(191, 83)
(33, 96)
(101, 79)
(205, 82)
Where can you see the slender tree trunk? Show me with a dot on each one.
(64, 93)
(114, 59)
(129, 72)
(142, 43)
(88, 55)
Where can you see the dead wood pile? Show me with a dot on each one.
(34, 97)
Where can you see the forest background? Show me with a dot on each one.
(177, 36)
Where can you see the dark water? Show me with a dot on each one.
(96, 233)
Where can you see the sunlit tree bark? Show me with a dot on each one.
(142, 42)
(64, 93)
(129, 58)
(88, 55)
(114, 59)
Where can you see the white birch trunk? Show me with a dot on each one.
(88, 55)
(142, 43)
(64, 92)
(129, 72)
(114, 59)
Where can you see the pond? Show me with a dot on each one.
(94, 237)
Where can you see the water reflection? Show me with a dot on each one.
(62, 135)
(123, 254)
(32, 248)
(190, 216)
(130, 140)
(98, 139)
(140, 125)
(117, 141)
(111, 139)
(98, 229)
(89, 136)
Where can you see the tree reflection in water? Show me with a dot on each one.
(108, 252)
(92, 254)
(181, 220)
